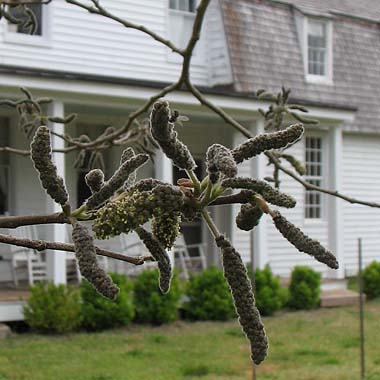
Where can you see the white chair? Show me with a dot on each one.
(26, 259)
(189, 263)
(131, 245)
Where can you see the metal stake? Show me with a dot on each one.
(361, 311)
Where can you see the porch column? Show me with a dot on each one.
(163, 167)
(163, 170)
(335, 204)
(56, 260)
(259, 239)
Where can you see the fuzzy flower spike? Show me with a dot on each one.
(42, 159)
(160, 255)
(241, 289)
(302, 242)
(268, 141)
(88, 265)
(163, 132)
(220, 161)
(116, 181)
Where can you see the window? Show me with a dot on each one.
(182, 5)
(18, 13)
(314, 175)
(181, 19)
(318, 50)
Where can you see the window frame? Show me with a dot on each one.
(198, 56)
(327, 78)
(323, 178)
(43, 40)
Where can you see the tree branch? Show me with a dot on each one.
(30, 220)
(41, 245)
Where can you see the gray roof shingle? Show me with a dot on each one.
(265, 53)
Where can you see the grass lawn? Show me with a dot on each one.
(322, 344)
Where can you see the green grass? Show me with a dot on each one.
(321, 344)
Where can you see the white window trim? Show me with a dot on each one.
(318, 79)
(197, 59)
(32, 40)
(324, 182)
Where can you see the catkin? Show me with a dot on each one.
(302, 242)
(135, 209)
(94, 180)
(124, 215)
(42, 159)
(145, 184)
(165, 228)
(241, 289)
(269, 193)
(160, 255)
(125, 156)
(248, 217)
(220, 161)
(267, 141)
(116, 181)
(89, 268)
(163, 132)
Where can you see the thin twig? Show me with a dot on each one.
(99, 10)
(41, 245)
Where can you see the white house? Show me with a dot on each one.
(326, 52)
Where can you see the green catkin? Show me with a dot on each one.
(135, 209)
(42, 159)
(302, 242)
(160, 255)
(165, 228)
(125, 156)
(269, 193)
(241, 289)
(220, 161)
(89, 268)
(116, 181)
(163, 132)
(124, 215)
(267, 141)
(94, 180)
(248, 217)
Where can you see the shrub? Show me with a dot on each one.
(371, 280)
(209, 296)
(270, 296)
(150, 304)
(304, 290)
(100, 313)
(53, 308)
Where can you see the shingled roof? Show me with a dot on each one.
(265, 52)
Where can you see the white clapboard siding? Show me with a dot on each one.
(89, 44)
(361, 179)
(282, 256)
(219, 68)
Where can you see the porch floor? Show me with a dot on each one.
(10, 293)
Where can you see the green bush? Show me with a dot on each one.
(270, 296)
(209, 296)
(100, 313)
(371, 280)
(150, 304)
(53, 308)
(305, 288)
